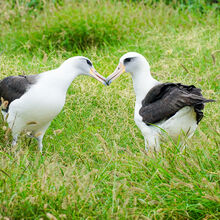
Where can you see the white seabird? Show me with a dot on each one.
(170, 107)
(29, 103)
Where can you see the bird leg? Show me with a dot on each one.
(40, 145)
(40, 134)
(14, 142)
(152, 144)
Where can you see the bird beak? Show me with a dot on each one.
(97, 76)
(118, 71)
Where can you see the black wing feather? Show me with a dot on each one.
(13, 87)
(164, 100)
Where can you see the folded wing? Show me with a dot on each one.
(164, 100)
(13, 87)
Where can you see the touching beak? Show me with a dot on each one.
(118, 71)
(97, 76)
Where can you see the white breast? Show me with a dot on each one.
(184, 121)
(39, 105)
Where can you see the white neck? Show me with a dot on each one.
(61, 78)
(142, 83)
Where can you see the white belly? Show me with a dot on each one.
(184, 121)
(35, 109)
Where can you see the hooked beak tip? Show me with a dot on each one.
(108, 81)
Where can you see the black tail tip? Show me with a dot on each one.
(210, 100)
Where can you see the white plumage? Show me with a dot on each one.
(159, 107)
(43, 99)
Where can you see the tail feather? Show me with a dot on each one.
(209, 100)
(199, 102)
(199, 99)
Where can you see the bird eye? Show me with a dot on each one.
(89, 63)
(127, 60)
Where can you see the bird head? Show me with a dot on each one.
(131, 62)
(83, 66)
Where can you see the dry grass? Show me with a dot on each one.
(96, 167)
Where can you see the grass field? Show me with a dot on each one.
(94, 165)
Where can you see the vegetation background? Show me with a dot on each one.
(94, 165)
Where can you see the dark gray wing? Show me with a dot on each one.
(164, 100)
(13, 87)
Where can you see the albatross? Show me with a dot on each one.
(171, 107)
(30, 102)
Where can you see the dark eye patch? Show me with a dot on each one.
(89, 63)
(129, 59)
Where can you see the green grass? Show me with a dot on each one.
(96, 167)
